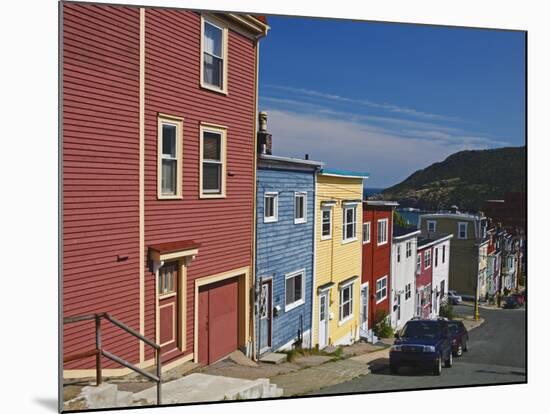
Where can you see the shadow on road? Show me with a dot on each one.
(487, 371)
(380, 366)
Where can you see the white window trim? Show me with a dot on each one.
(408, 249)
(367, 223)
(424, 259)
(225, 34)
(398, 253)
(303, 219)
(417, 270)
(352, 299)
(387, 231)
(465, 223)
(302, 300)
(217, 129)
(428, 222)
(410, 291)
(329, 209)
(178, 122)
(275, 216)
(376, 289)
(344, 223)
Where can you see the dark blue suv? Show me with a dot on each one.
(424, 343)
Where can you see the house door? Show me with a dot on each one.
(168, 310)
(323, 320)
(364, 311)
(218, 320)
(265, 310)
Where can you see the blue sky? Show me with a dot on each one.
(386, 98)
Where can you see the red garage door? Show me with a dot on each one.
(218, 320)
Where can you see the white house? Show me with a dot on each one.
(440, 271)
(403, 271)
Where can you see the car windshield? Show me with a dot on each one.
(453, 327)
(420, 330)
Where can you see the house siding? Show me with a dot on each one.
(403, 273)
(284, 247)
(440, 273)
(423, 279)
(336, 261)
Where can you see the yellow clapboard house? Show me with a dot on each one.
(338, 257)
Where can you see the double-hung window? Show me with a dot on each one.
(382, 231)
(326, 224)
(398, 253)
(271, 207)
(436, 249)
(427, 259)
(408, 249)
(169, 157)
(366, 232)
(462, 230)
(349, 225)
(381, 289)
(213, 163)
(443, 254)
(418, 263)
(214, 56)
(346, 303)
(300, 205)
(407, 291)
(432, 226)
(294, 290)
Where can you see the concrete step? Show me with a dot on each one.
(124, 398)
(102, 396)
(273, 358)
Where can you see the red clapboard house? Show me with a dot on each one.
(424, 269)
(375, 279)
(159, 116)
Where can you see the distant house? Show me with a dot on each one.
(376, 270)
(510, 213)
(493, 260)
(338, 248)
(468, 251)
(285, 203)
(403, 274)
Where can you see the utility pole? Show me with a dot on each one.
(476, 299)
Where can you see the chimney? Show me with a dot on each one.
(264, 138)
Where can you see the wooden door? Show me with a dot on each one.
(265, 310)
(168, 310)
(323, 320)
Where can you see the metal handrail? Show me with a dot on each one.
(99, 351)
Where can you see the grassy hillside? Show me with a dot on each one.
(466, 178)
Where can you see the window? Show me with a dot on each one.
(366, 232)
(431, 226)
(442, 291)
(212, 161)
(462, 230)
(382, 231)
(166, 282)
(407, 291)
(349, 227)
(381, 289)
(408, 249)
(443, 254)
(427, 259)
(326, 231)
(300, 203)
(294, 288)
(418, 263)
(169, 157)
(436, 255)
(271, 207)
(214, 56)
(346, 303)
(398, 253)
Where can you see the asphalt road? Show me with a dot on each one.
(497, 355)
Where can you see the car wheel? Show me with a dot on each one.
(459, 351)
(437, 366)
(449, 362)
(466, 348)
(394, 368)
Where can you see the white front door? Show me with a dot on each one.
(364, 310)
(323, 320)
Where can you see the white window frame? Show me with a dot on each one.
(216, 23)
(302, 300)
(222, 131)
(366, 232)
(427, 258)
(163, 119)
(329, 236)
(408, 291)
(443, 254)
(343, 320)
(465, 224)
(300, 194)
(428, 223)
(385, 221)
(398, 253)
(275, 217)
(385, 287)
(436, 258)
(408, 249)
(418, 263)
(345, 223)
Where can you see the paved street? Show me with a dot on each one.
(497, 355)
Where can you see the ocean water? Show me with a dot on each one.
(368, 191)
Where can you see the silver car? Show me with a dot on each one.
(454, 298)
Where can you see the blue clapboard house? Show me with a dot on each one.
(285, 218)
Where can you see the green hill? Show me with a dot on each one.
(466, 178)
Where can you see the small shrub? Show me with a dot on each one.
(446, 311)
(506, 291)
(382, 328)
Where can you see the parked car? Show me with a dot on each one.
(459, 337)
(519, 297)
(423, 343)
(510, 302)
(454, 298)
